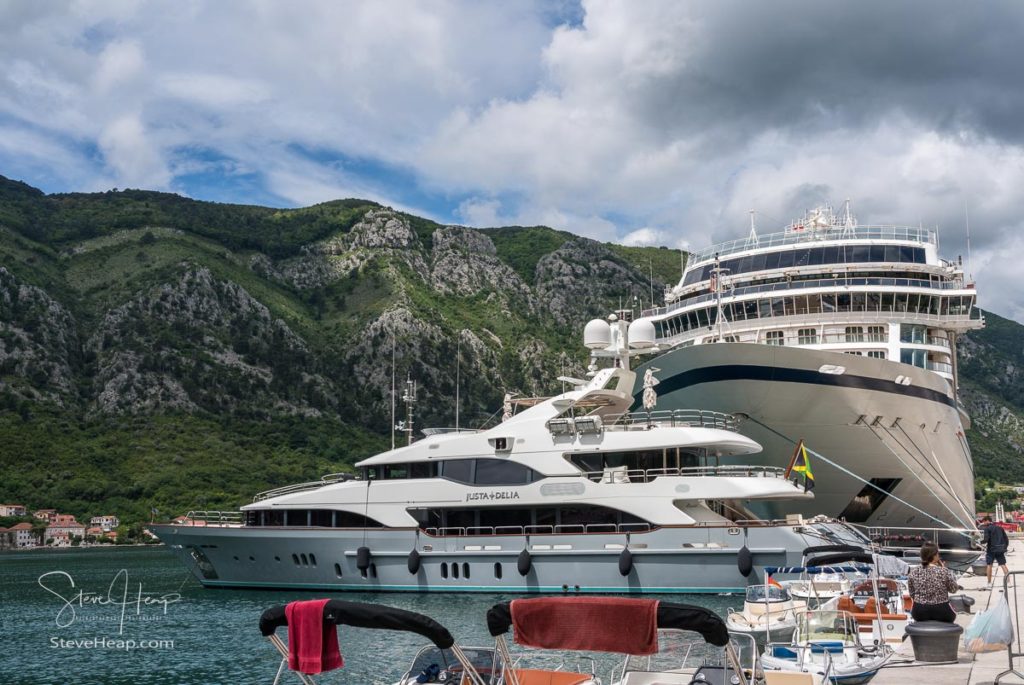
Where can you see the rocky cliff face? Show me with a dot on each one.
(104, 317)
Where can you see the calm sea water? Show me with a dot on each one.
(214, 632)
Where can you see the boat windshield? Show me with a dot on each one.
(771, 593)
(482, 659)
(825, 625)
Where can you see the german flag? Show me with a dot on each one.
(801, 463)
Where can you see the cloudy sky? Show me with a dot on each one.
(637, 121)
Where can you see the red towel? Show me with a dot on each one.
(312, 644)
(593, 624)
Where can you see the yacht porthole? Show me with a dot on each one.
(277, 559)
(455, 570)
(337, 570)
(497, 570)
(465, 570)
(373, 570)
(305, 559)
(295, 558)
(236, 558)
(252, 558)
(444, 569)
(312, 559)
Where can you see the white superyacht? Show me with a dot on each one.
(571, 494)
(843, 336)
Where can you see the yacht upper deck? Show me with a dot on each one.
(795, 235)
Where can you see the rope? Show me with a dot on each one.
(862, 480)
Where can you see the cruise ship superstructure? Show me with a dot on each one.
(840, 335)
(570, 494)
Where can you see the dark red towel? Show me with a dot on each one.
(594, 624)
(312, 644)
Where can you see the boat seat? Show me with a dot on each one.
(847, 604)
(535, 676)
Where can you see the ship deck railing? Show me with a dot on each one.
(624, 475)
(790, 286)
(204, 517)
(908, 537)
(644, 420)
(301, 487)
(880, 232)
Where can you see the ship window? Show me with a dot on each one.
(455, 570)
(906, 254)
(274, 517)
(465, 570)
(860, 253)
(394, 471)
(876, 333)
(444, 569)
(892, 253)
(917, 358)
(348, 519)
(869, 499)
(876, 354)
(305, 559)
(458, 470)
(807, 336)
(295, 559)
(312, 559)
(878, 253)
(787, 259)
(322, 518)
(759, 262)
(337, 570)
(858, 301)
(373, 570)
(854, 334)
(854, 353)
(501, 472)
(774, 338)
(497, 570)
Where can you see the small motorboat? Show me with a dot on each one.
(828, 582)
(881, 608)
(769, 612)
(446, 661)
(613, 625)
(827, 645)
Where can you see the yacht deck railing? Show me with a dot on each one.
(882, 232)
(300, 487)
(213, 518)
(623, 475)
(644, 420)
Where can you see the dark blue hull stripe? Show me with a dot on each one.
(747, 372)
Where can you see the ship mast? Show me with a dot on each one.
(409, 397)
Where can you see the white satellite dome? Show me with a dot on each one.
(642, 334)
(597, 335)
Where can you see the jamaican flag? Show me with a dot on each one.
(801, 463)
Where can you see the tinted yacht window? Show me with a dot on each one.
(459, 470)
(500, 472)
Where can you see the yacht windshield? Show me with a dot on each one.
(771, 593)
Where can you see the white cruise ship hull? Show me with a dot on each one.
(865, 424)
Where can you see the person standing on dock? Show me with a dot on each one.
(996, 543)
(930, 585)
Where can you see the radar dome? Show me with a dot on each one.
(641, 334)
(597, 335)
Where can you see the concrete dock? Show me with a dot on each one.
(971, 669)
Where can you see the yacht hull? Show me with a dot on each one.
(865, 423)
(664, 560)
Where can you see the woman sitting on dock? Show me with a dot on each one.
(930, 585)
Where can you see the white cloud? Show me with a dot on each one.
(643, 237)
(660, 122)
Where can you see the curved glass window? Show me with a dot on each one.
(487, 472)
(814, 256)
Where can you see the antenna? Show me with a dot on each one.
(650, 280)
(970, 264)
(458, 363)
(393, 346)
(409, 397)
(753, 228)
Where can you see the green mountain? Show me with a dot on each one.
(160, 352)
